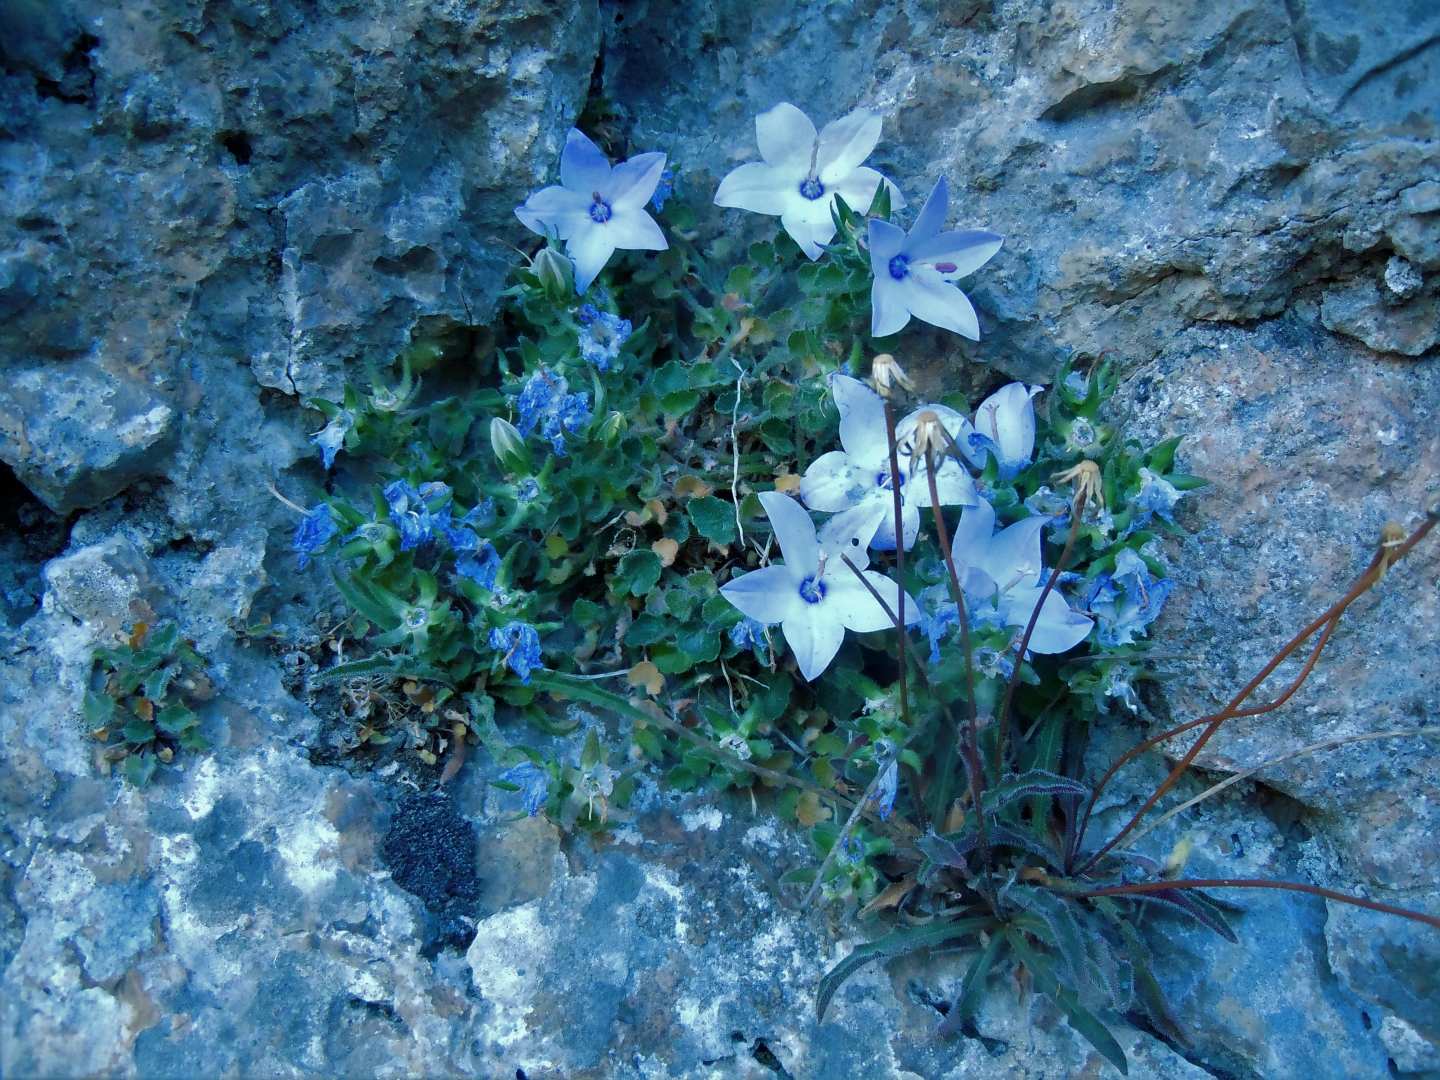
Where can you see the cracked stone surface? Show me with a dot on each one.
(215, 212)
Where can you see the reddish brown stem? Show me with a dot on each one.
(1261, 883)
(895, 483)
(1385, 557)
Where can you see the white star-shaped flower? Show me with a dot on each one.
(803, 171)
(1003, 571)
(914, 271)
(813, 595)
(859, 474)
(596, 209)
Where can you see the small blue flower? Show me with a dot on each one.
(601, 337)
(1128, 600)
(527, 490)
(533, 782)
(663, 190)
(852, 850)
(410, 514)
(883, 798)
(936, 626)
(993, 664)
(314, 532)
(521, 645)
(1157, 496)
(331, 437)
(537, 399)
(750, 634)
(587, 314)
(481, 567)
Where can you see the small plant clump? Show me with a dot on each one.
(142, 697)
(689, 514)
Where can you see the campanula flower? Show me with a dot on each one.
(520, 644)
(1005, 427)
(595, 208)
(1127, 600)
(803, 171)
(813, 595)
(481, 566)
(314, 532)
(331, 437)
(859, 474)
(1157, 496)
(1003, 571)
(544, 404)
(533, 782)
(663, 190)
(914, 271)
(601, 335)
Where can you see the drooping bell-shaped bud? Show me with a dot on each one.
(509, 446)
(555, 273)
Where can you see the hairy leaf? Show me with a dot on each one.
(968, 999)
(896, 943)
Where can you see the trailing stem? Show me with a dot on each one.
(1389, 552)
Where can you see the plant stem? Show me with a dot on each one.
(1260, 883)
(1385, 557)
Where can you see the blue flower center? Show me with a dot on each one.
(812, 590)
(599, 210)
(882, 480)
(811, 188)
(899, 267)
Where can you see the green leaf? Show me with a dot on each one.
(1034, 782)
(139, 768)
(175, 720)
(1163, 456)
(1085, 1023)
(647, 630)
(638, 572)
(399, 667)
(968, 1000)
(713, 518)
(895, 943)
(99, 709)
(138, 731)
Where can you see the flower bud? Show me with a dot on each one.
(612, 428)
(555, 273)
(509, 446)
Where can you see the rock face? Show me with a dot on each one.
(212, 210)
(264, 184)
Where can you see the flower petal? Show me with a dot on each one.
(813, 637)
(952, 483)
(931, 218)
(971, 543)
(862, 421)
(933, 300)
(1014, 555)
(1008, 417)
(965, 249)
(765, 595)
(794, 531)
(589, 247)
(554, 209)
(806, 228)
(632, 229)
(831, 483)
(632, 182)
(851, 604)
(858, 190)
(888, 313)
(885, 534)
(1058, 629)
(848, 535)
(583, 168)
(844, 145)
(785, 136)
(886, 240)
(756, 187)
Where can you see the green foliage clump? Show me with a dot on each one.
(142, 697)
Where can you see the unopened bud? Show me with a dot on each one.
(555, 273)
(509, 446)
(611, 428)
(886, 374)
(1088, 483)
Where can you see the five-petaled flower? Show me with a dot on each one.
(1003, 572)
(803, 171)
(914, 271)
(859, 474)
(314, 531)
(520, 645)
(813, 595)
(595, 208)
